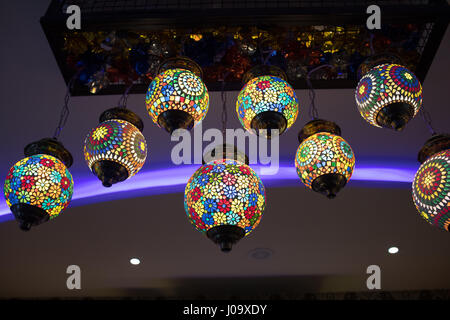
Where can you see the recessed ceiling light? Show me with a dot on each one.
(260, 253)
(393, 250)
(135, 261)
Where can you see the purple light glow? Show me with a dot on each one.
(88, 189)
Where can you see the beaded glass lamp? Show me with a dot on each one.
(225, 199)
(177, 97)
(39, 187)
(267, 101)
(431, 185)
(389, 96)
(324, 160)
(116, 149)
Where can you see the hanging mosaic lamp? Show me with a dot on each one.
(177, 98)
(324, 160)
(224, 199)
(267, 101)
(431, 185)
(39, 187)
(388, 95)
(116, 150)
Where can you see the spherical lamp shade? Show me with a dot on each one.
(388, 96)
(267, 102)
(38, 188)
(177, 98)
(224, 199)
(325, 163)
(431, 190)
(115, 150)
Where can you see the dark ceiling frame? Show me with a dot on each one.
(54, 23)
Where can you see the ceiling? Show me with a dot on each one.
(317, 245)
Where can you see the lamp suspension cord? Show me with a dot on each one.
(372, 51)
(262, 52)
(313, 113)
(269, 54)
(223, 96)
(64, 115)
(124, 98)
(181, 52)
(427, 119)
(259, 46)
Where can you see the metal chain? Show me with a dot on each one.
(313, 113)
(427, 119)
(124, 98)
(64, 115)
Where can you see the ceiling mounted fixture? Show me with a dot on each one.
(39, 187)
(225, 199)
(431, 185)
(324, 160)
(128, 38)
(388, 95)
(267, 101)
(393, 250)
(177, 98)
(116, 150)
(260, 253)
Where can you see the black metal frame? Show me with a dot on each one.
(437, 12)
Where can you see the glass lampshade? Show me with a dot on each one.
(224, 193)
(431, 190)
(324, 157)
(389, 95)
(177, 98)
(115, 145)
(42, 184)
(267, 102)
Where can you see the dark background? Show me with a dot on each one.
(317, 245)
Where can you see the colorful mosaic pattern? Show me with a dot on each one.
(266, 93)
(119, 141)
(386, 84)
(177, 89)
(324, 153)
(42, 181)
(431, 190)
(224, 192)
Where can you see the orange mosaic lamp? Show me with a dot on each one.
(324, 160)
